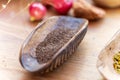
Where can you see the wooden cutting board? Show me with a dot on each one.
(15, 27)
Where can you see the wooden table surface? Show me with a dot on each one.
(15, 27)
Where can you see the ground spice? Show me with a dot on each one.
(116, 63)
(52, 43)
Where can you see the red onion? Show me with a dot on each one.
(61, 6)
(37, 11)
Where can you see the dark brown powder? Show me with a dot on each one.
(52, 43)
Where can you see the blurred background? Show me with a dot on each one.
(19, 17)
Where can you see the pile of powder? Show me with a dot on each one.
(52, 43)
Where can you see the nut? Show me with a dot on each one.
(85, 10)
(108, 3)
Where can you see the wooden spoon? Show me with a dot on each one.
(51, 43)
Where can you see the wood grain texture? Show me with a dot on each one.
(81, 66)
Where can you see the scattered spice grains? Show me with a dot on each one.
(116, 63)
(52, 43)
